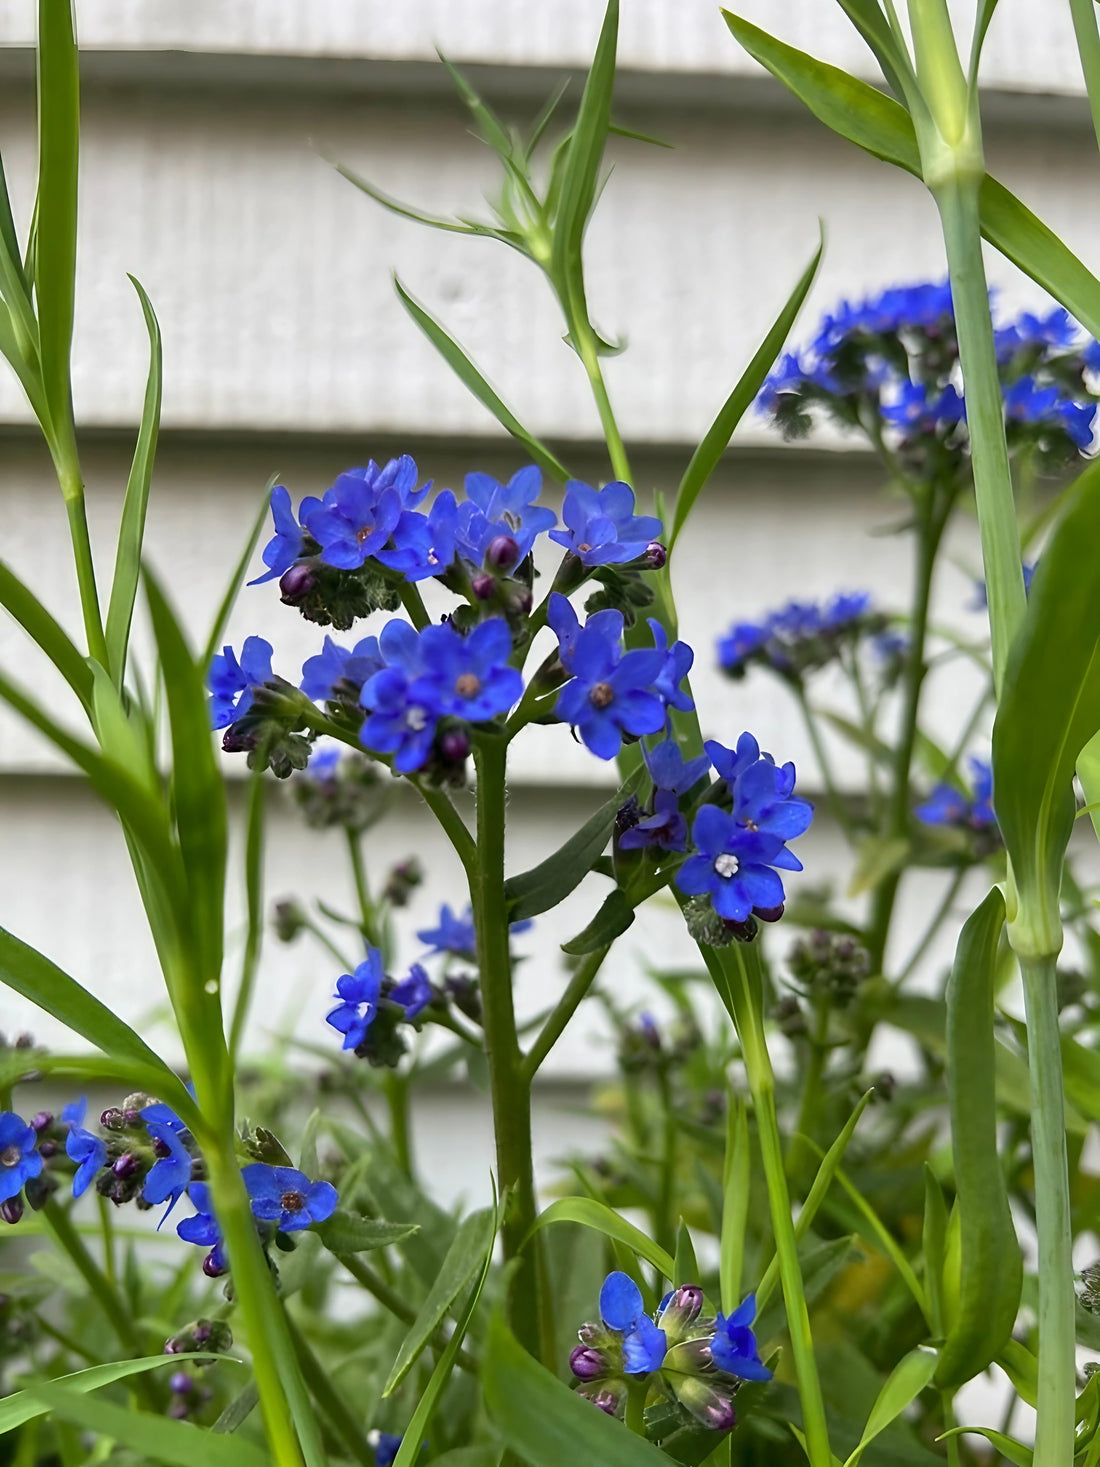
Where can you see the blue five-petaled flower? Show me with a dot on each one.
(19, 1160)
(623, 1310)
(284, 548)
(611, 692)
(286, 1197)
(733, 1348)
(359, 994)
(231, 682)
(83, 1147)
(601, 526)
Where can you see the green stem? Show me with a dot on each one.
(938, 919)
(397, 1099)
(957, 200)
(413, 603)
(564, 1009)
(396, 1303)
(665, 1230)
(510, 1087)
(929, 532)
(811, 1090)
(1057, 1328)
(107, 1228)
(586, 349)
(85, 577)
(106, 1295)
(1088, 44)
(636, 1392)
(837, 807)
(253, 865)
(947, 1403)
(367, 915)
(327, 943)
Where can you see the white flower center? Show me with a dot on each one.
(416, 719)
(727, 864)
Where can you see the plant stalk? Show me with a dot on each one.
(85, 577)
(1088, 44)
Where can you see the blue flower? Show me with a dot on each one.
(733, 1348)
(730, 764)
(203, 1229)
(672, 776)
(916, 410)
(358, 993)
(734, 865)
(401, 723)
(414, 993)
(669, 770)
(453, 934)
(334, 664)
(280, 552)
(467, 677)
(19, 1161)
(622, 1310)
(170, 1175)
(493, 511)
(323, 762)
(357, 516)
(423, 545)
(566, 626)
(676, 666)
(286, 1197)
(740, 642)
(948, 806)
(87, 1150)
(232, 683)
(386, 1448)
(845, 608)
(762, 802)
(602, 528)
(611, 692)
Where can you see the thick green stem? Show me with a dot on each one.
(929, 533)
(636, 1392)
(1057, 1330)
(1088, 44)
(85, 577)
(510, 1087)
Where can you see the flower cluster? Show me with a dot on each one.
(697, 1360)
(888, 367)
(282, 1199)
(371, 1005)
(801, 636)
(967, 813)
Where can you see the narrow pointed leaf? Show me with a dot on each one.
(868, 18)
(29, 377)
(467, 373)
(735, 1203)
(406, 211)
(685, 1264)
(1010, 1449)
(589, 1213)
(21, 1406)
(982, 21)
(706, 457)
(24, 606)
(254, 896)
(345, 1233)
(903, 1385)
(131, 533)
(613, 918)
(236, 580)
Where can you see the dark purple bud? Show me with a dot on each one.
(181, 1383)
(483, 585)
(687, 1300)
(161, 1148)
(628, 815)
(203, 1331)
(178, 1409)
(607, 1401)
(112, 1119)
(47, 1149)
(454, 746)
(720, 1415)
(503, 552)
(11, 1210)
(126, 1165)
(297, 582)
(587, 1363)
(655, 556)
(768, 914)
(212, 1265)
(177, 1345)
(39, 1122)
(131, 1116)
(520, 601)
(236, 742)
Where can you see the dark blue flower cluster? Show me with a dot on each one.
(801, 636)
(696, 1360)
(971, 812)
(888, 366)
(363, 994)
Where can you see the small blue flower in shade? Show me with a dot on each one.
(231, 683)
(948, 806)
(602, 528)
(423, 545)
(284, 548)
(468, 677)
(734, 865)
(170, 1175)
(400, 721)
(323, 762)
(334, 664)
(414, 993)
(1078, 418)
(730, 764)
(982, 786)
(741, 641)
(1057, 330)
(566, 626)
(676, 666)
(492, 510)
(944, 806)
(88, 1151)
(611, 692)
(358, 993)
(203, 1229)
(453, 934)
(285, 1196)
(386, 1447)
(1090, 355)
(733, 1348)
(622, 1310)
(357, 516)
(19, 1161)
(915, 410)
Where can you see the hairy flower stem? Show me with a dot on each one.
(929, 533)
(1057, 1329)
(510, 1087)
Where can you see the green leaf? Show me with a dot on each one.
(395, 1194)
(345, 1232)
(868, 19)
(981, 26)
(474, 1237)
(405, 211)
(198, 793)
(236, 580)
(580, 179)
(735, 1203)
(1049, 710)
(934, 1245)
(903, 1385)
(551, 881)
(1088, 772)
(614, 917)
(254, 896)
(544, 1422)
(467, 373)
(991, 1266)
(176, 1443)
(416, 1431)
(685, 1265)
(1081, 1072)
(1009, 1448)
(131, 532)
(469, 1457)
(589, 1213)
(239, 1409)
(24, 606)
(706, 457)
(22, 1406)
(121, 742)
(55, 257)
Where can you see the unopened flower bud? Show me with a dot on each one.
(25, 1041)
(11, 1210)
(483, 586)
(503, 552)
(41, 1121)
(112, 1119)
(214, 1266)
(47, 1149)
(768, 914)
(297, 582)
(655, 556)
(182, 1383)
(520, 601)
(126, 1165)
(885, 1086)
(455, 746)
(403, 880)
(587, 1363)
(38, 1190)
(289, 919)
(705, 925)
